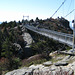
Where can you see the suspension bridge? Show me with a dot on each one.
(68, 39)
(58, 36)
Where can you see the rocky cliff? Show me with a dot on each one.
(42, 70)
(61, 67)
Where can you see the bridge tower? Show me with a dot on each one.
(27, 18)
(74, 34)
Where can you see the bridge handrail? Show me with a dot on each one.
(59, 33)
(48, 31)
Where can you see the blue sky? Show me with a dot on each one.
(11, 10)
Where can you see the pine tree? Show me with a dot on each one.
(6, 49)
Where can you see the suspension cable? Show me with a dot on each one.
(69, 5)
(58, 8)
(69, 13)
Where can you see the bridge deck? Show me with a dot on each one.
(61, 37)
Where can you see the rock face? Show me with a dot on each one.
(23, 71)
(27, 37)
(20, 50)
(27, 41)
(42, 70)
(48, 68)
(18, 46)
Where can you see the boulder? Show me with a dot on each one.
(36, 66)
(72, 66)
(53, 68)
(53, 53)
(61, 63)
(48, 63)
(19, 50)
(67, 58)
(59, 58)
(18, 46)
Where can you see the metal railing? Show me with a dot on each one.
(59, 36)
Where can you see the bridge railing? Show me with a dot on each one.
(62, 37)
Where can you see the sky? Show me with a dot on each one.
(11, 10)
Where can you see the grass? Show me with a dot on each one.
(40, 61)
(54, 58)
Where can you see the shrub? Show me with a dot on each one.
(15, 63)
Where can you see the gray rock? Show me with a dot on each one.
(45, 69)
(61, 63)
(53, 68)
(48, 63)
(36, 66)
(71, 51)
(72, 65)
(53, 53)
(67, 58)
(18, 46)
(27, 37)
(42, 71)
(59, 58)
(71, 72)
(23, 71)
(36, 72)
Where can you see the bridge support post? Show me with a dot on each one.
(74, 34)
(23, 21)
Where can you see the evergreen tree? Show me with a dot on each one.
(6, 49)
(1, 39)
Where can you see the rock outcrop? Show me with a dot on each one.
(42, 70)
(27, 37)
(61, 63)
(49, 63)
(61, 67)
